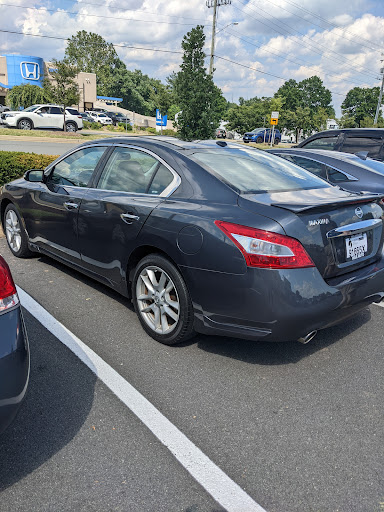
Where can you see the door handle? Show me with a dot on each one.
(71, 206)
(129, 218)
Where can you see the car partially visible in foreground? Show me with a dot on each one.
(351, 172)
(348, 140)
(14, 350)
(206, 237)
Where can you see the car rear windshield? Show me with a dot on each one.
(253, 171)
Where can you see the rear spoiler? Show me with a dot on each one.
(297, 208)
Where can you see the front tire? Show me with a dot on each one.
(162, 301)
(15, 233)
(259, 140)
(25, 124)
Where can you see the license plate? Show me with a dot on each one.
(356, 246)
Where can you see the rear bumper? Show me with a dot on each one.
(279, 305)
(14, 365)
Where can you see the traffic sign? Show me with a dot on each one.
(275, 115)
(274, 120)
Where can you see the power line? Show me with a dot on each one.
(315, 47)
(93, 44)
(54, 11)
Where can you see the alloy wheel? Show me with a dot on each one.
(13, 230)
(157, 300)
(24, 124)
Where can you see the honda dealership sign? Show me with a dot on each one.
(24, 69)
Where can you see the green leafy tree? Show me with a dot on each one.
(91, 53)
(62, 89)
(197, 95)
(360, 103)
(26, 95)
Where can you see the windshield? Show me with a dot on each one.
(30, 109)
(102, 115)
(253, 171)
(257, 130)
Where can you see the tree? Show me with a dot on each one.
(63, 89)
(90, 53)
(360, 103)
(197, 95)
(26, 95)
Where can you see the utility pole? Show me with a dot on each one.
(215, 4)
(380, 95)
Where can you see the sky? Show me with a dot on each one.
(259, 44)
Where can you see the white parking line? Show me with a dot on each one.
(381, 304)
(224, 490)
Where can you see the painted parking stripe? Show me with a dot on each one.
(224, 490)
(381, 304)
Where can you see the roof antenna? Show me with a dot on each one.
(362, 155)
(221, 143)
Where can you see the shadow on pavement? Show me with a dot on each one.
(59, 398)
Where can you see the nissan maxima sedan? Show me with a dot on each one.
(205, 237)
(14, 351)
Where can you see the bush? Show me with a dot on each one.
(170, 132)
(87, 125)
(129, 127)
(13, 164)
(150, 129)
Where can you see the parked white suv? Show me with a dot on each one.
(100, 117)
(43, 116)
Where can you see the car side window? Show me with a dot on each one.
(356, 144)
(163, 178)
(77, 168)
(128, 170)
(322, 143)
(55, 110)
(310, 165)
(335, 176)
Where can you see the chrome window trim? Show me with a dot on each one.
(175, 183)
(349, 176)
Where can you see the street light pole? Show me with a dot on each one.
(380, 97)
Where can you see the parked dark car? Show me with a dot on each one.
(87, 117)
(118, 117)
(221, 133)
(348, 140)
(205, 237)
(351, 172)
(262, 135)
(14, 350)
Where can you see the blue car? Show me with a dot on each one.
(262, 135)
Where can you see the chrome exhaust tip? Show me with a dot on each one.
(307, 338)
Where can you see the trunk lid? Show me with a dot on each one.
(341, 231)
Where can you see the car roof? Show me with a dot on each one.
(324, 153)
(364, 131)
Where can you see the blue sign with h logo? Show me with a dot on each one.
(161, 120)
(24, 69)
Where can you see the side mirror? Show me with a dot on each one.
(34, 175)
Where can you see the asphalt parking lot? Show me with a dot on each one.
(297, 427)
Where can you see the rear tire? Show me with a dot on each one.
(15, 233)
(71, 127)
(161, 300)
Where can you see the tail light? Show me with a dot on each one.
(266, 249)
(8, 293)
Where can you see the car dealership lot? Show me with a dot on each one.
(297, 427)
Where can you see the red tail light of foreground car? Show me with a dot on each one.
(265, 249)
(8, 293)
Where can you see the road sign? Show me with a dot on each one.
(160, 120)
(275, 115)
(274, 120)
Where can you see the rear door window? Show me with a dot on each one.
(335, 176)
(356, 144)
(312, 166)
(322, 143)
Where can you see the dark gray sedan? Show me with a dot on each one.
(205, 237)
(14, 351)
(352, 172)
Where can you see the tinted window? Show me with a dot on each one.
(160, 182)
(128, 170)
(73, 111)
(335, 176)
(255, 171)
(77, 168)
(356, 144)
(56, 110)
(310, 165)
(322, 143)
